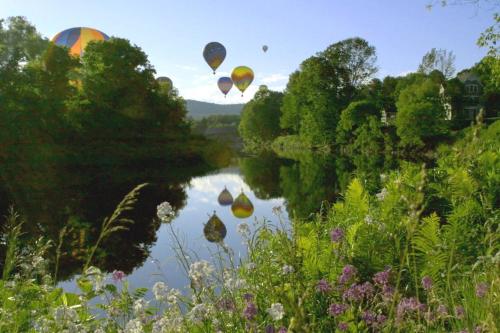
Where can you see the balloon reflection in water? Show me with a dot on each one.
(225, 197)
(215, 231)
(242, 206)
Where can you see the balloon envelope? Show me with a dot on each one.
(215, 231)
(225, 84)
(76, 39)
(214, 54)
(242, 77)
(242, 206)
(164, 79)
(225, 198)
(265, 48)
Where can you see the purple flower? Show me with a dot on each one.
(282, 329)
(459, 311)
(481, 290)
(381, 319)
(348, 272)
(478, 329)
(427, 282)
(369, 317)
(387, 293)
(248, 297)
(442, 311)
(407, 306)
(337, 309)
(270, 329)
(118, 275)
(226, 304)
(336, 235)
(382, 278)
(250, 311)
(353, 294)
(342, 327)
(323, 286)
(366, 289)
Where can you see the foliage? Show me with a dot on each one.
(420, 114)
(440, 60)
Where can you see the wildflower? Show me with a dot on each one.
(336, 235)
(323, 286)
(140, 306)
(270, 329)
(235, 283)
(481, 290)
(387, 293)
(160, 290)
(118, 275)
(199, 312)
(381, 319)
(243, 229)
(276, 311)
(173, 296)
(248, 297)
(133, 326)
(282, 329)
(368, 219)
(369, 317)
(427, 282)
(357, 292)
(250, 311)
(343, 326)
(441, 310)
(348, 272)
(459, 311)
(165, 212)
(337, 309)
(287, 269)
(200, 270)
(382, 278)
(226, 304)
(478, 329)
(382, 194)
(277, 210)
(407, 305)
(251, 266)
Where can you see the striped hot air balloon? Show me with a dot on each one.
(214, 54)
(225, 84)
(76, 39)
(242, 77)
(242, 207)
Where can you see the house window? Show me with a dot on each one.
(472, 89)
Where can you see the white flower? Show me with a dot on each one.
(160, 290)
(383, 177)
(200, 270)
(165, 212)
(382, 194)
(243, 229)
(199, 313)
(368, 219)
(234, 284)
(134, 326)
(173, 296)
(276, 311)
(251, 266)
(287, 269)
(140, 306)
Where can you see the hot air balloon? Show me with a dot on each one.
(265, 48)
(214, 54)
(164, 79)
(242, 207)
(242, 77)
(215, 231)
(76, 39)
(225, 84)
(225, 197)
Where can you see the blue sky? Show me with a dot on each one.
(173, 33)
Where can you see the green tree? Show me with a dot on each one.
(260, 117)
(421, 115)
(355, 115)
(439, 59)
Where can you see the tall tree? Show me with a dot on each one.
(440, 60)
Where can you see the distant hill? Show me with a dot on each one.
(197, 109)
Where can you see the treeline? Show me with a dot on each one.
(333, 101)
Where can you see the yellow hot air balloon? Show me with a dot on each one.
(242, 207)
(215, 231)
(225, 198)
(242, 77)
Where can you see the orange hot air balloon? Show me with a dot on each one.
(242, 77)
(215, 230)
(242, 207)
(225, 198)
(76, 39)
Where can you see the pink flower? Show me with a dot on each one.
(118, 275)
(337, 309)
(427, 282)
(323, 286)
(337, 235)
(382, 278)
(348, 272)
(481, 290)
(343, 327)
